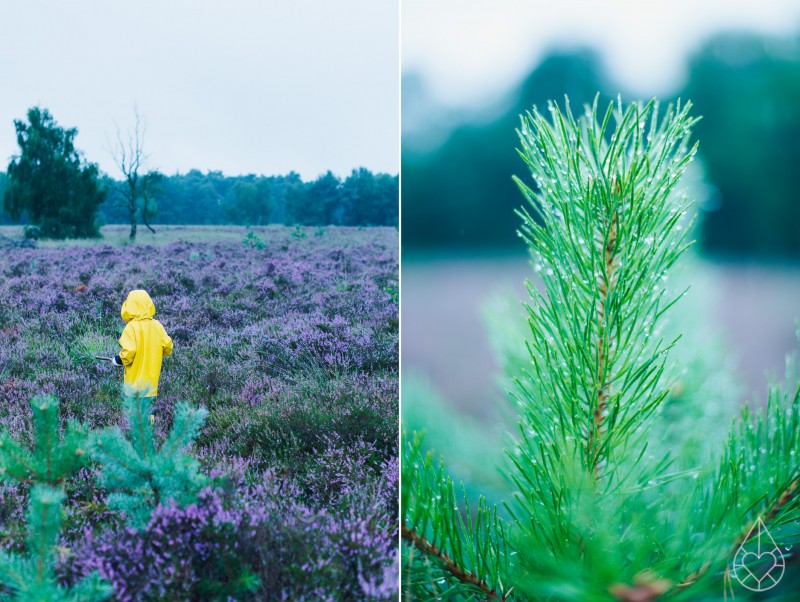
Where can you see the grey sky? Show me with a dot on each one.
(240, 86)
(472, 51)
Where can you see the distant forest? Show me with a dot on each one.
(361, 199)
(746, 87)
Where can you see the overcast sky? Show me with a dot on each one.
(243, 86)
(473, 51)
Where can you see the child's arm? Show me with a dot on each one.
(166, 343)
(128, 343)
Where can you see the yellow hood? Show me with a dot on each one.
(138, 306)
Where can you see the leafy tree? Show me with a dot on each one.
(140, 473)
(50, 181)
(600, 508)
(321, 203)
(294, 198)
(250, 202)
(363, 199)
(195, 198)
(5, 218)
(369, 199)
(385, 211)
(279, 186)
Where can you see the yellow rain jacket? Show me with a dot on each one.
(144, 343)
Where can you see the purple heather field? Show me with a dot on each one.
(289, 337)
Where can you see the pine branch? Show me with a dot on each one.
(606, 231)
(188, 421)
(472, 551)
(788, 495)
(31, 576)
(451, 567)
(603, 342)
(51, 460)
(757, 470)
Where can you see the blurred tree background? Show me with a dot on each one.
(458, 192)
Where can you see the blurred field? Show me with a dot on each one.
(753, 306)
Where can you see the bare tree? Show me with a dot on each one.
(150, 187)
(131, 160)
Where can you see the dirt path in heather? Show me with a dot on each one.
(756, 308)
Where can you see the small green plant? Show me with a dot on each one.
(252, 241)
(142, 475)
(598, 507)
(298, 233)
(87, 346)
(30, 576)
(393, 290)
(319, 231)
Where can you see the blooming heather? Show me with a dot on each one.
(293, 350)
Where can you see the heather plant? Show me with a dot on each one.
(141, 474)
(255, 542)
(612, 493)
(340, 470)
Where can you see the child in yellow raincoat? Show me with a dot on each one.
(144, 343)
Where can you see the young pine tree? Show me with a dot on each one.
(142, 475)
(599, 507)
(51, 461)
(30, 576)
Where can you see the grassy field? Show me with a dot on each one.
(289, 338)
(118, 235)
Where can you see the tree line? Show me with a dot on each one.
(51, 187)
(361, 199)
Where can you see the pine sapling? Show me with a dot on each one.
(142, 475)
(594, 511)
(31, 576)
(51, 460)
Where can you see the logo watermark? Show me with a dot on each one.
(761, 566)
